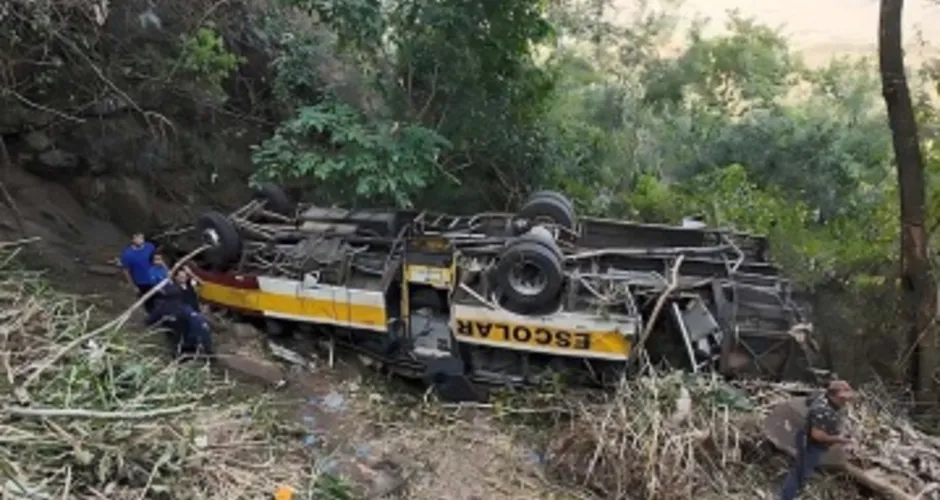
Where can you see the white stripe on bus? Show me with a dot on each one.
(332, 293)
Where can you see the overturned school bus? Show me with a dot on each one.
(505, 298)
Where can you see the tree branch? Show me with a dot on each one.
(22, 411)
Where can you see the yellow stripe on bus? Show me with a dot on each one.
(543, 338)
(299, 309)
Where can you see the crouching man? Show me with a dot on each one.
(198, 337)
(822, 430)
(188, 330)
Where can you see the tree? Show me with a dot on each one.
(918, 290)
(457, 96)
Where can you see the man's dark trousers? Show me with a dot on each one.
(808, 456)
(148, 304)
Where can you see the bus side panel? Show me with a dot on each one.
(562, 334)
(325, 304)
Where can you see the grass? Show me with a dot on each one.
(98, 416)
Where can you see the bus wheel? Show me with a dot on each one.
(276, 200)
(550, 206)
(220, 233)
(529, 273)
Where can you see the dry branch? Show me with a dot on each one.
(18, 243)
(680, 436)
(638, 349)
(115, 323)
(97, 415)
(108, 419)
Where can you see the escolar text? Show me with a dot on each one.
(524, 334)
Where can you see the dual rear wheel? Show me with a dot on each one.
(529, 274)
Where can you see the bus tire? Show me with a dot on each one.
(276, 200)
(220, 233)
(550, 205)
(541, 235)
(529, 273)
(545, 193)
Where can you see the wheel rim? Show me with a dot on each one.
(211, 237)
(527, 278)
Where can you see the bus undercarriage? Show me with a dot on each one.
(501, 298)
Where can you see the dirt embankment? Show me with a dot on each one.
(104, 129)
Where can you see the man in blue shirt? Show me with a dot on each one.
(158, 269)
(136, 263)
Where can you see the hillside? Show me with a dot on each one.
(118, 117)
(821, 30)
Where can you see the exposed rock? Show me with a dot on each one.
(103, 270)
(128, 202)
(54, 164)
(38, 140)
(268, 373)
(244, 332)
(17, 118)
(109, 105)
(385, 477)
(153, 155)
(114, 145)
(59, 160)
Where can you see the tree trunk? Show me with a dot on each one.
(918, 304)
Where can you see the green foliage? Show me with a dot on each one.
(359, 24)
(297, 80)
(751, 66)
(358, 158)
(469, 71)
(504, 98)
(811, 251)
(464, 72)
(332, 487)
(738, 129)
(204, 57)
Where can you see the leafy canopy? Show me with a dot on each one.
(470, 105)
(335, 144)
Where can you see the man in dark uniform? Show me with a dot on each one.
(189, 330)
(198, 337)
(185, 283)
(823, 425)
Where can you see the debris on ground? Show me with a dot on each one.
(668, 437)
(679, 437)
(98, 415)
